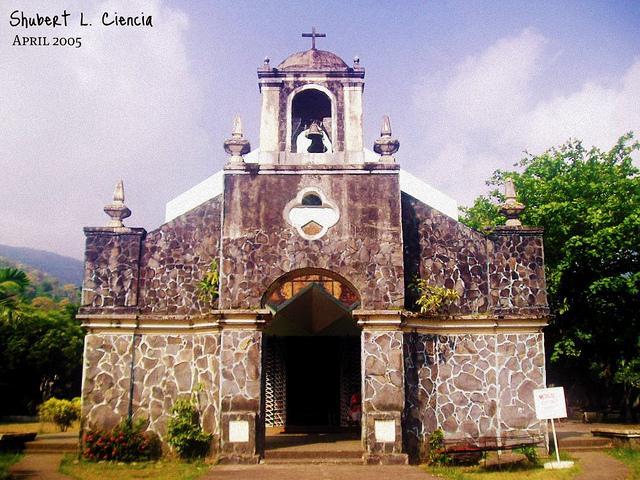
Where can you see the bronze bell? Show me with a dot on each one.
(313, 130)
(315, 135)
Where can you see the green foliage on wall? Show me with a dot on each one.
(432, 299)
(208, 286)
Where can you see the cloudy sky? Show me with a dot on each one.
(468, 85)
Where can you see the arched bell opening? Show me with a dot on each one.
(311, 371)
(312, 121)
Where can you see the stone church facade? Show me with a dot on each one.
(317, 244)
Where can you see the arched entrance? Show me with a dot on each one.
(311, 353)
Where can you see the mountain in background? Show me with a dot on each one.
(66, 269)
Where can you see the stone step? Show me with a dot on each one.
(51, 447)
(585, 442)
(313, 454)
(586, 448)
(313, 461)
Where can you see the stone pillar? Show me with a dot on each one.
(353, 143)
(383, 395)
(240, 396)
(269, 121)
(517, 282)
(112, 268)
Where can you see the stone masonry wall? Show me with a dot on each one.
(383, 389)
(165, 367)
(172, 366)
(446, 253)
(111, 268)
(259, 246)
(500, 273)
(475, 387)
(383, 371)
(106, 380)
(240, 392)
(516, 273)
(175, 258)
(241, 359)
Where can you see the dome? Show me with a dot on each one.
(313, 60)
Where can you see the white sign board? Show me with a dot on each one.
(385, 431)
(238, 431)
(550, 403)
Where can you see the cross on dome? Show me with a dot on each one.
(313, 36)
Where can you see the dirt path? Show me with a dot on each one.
(316, 472)
(600, 466)
(37, 466)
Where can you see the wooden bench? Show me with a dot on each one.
(470, 450)
(619, 437)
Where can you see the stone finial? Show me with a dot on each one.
(237, 127)
(356, 61)
(117, 210)
(237, 145)
(511, 208)
(385, 131)
(386, 146)
(266, 61)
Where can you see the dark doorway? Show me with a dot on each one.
(313, 381)
(311, 360)
(310, 382)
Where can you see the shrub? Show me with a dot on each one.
(184, 433)
(61, 412)
(529, 451)
(127, 442)
(434, 451)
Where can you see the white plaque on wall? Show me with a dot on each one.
(385, 431)
(238, 431)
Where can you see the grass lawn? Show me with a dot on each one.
(162, 470)
(39, 427)
(6, 460)
(507, 471)
(630, 457)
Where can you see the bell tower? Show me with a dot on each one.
(311, 109)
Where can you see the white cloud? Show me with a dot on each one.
(75, 120)
(596, 113)
(491, 88)
(483, 113)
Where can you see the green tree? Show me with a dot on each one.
(40, 356)
(588, 202)
(483, 214)
(12, 284)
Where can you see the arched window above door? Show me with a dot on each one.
(290, 285)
